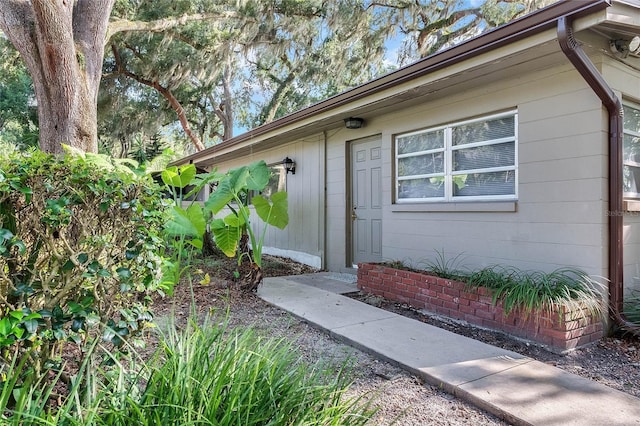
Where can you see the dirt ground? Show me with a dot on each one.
(401, 398)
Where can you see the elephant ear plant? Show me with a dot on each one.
(234, 190)
(79, 253)
(233, 197)
(185, 226)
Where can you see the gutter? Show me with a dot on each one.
(590, 74)
(324, 237)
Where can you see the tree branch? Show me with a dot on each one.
(398, 6)
(166, 93)
(125, 25)
(270, 110)
(134, 51)
(90, 32)
(186, 40)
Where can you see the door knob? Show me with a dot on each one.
(354, 216)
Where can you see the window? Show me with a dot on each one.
(277, 182)
(471, 160)
(631, 151)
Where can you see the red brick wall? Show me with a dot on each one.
(558, 331)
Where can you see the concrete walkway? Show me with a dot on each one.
(515, 388)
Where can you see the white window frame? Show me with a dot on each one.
(630, 195)
(448, 174)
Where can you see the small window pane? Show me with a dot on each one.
(485, 157)
(631, 119)
(277, 181)
(421, 164)
(631, 153)
(476, 184)
(421, 188)
(631, 148)
(481, 131)
(420, 142)
(631, 180)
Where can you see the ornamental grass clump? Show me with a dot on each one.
(448, 268)
(531, 291)
(23, 397)
(204, 375)
(631, 307)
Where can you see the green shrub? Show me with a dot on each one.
(79, 244)
(233, 196)
(27, 396)
(206, 375)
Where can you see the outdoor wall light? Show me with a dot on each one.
(289, 165)
(634, 44)
(353, 122)
(624, 47)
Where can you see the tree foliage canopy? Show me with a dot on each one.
(200, 68)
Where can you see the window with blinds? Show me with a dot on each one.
(470, 160)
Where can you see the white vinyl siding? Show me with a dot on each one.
(469, 160)
(631, 153)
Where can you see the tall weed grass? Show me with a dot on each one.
(200, 375)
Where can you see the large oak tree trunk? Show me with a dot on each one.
(62, 43)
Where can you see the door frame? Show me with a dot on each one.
(349, 258)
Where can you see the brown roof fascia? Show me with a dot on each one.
(511, 32)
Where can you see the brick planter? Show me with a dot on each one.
(558, 331)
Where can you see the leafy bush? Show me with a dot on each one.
(205, 375)
(232, 194)
(234, 191)
(79, 244)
